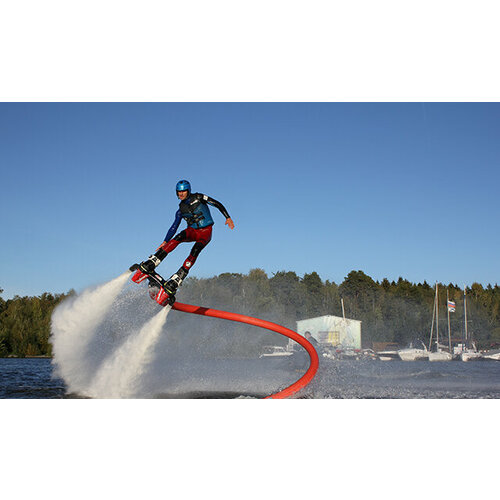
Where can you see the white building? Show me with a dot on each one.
(332, 331)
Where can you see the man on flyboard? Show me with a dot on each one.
(193, 208)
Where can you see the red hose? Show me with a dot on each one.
(314, 362)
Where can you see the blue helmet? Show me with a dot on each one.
(183, 186)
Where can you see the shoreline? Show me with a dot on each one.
(10, 356)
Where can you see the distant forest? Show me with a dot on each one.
(391, 311)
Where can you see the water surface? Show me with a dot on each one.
(228, 378)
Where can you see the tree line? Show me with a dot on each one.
(25, 324)
(390, 311)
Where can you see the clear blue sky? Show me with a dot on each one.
(393, 189)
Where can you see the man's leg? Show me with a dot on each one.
(195, 251)
(202, 238)
(167, 246)
(163, 250)
(149, 265)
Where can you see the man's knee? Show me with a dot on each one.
(180, 237)
(197, 248)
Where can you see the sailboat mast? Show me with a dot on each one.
(437, 317)
(448, 309)
(465, 317)
(432, 324)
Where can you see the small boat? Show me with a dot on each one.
(470, 355)
(493, 354)
(387, 355)
(413, 353)
(274, 351)
(440, 355)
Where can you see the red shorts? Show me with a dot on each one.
(201, 237)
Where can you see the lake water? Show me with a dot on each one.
(29, 378)
(33, 379)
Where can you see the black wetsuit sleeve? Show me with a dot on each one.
(216, 204)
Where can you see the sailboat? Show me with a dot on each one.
(469, 350)
(440, 354)
(413, 353)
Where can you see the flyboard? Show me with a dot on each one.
(160, 290)
(163, 292)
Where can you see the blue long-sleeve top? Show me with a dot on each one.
(194, 210)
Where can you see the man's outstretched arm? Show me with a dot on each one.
(217, 204)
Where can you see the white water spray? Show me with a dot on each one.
(102, 339)
(75, 323)
(119, 375)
